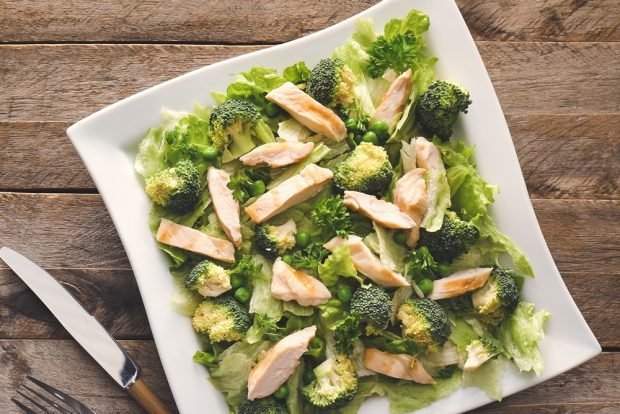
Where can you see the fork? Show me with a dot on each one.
(78, 407)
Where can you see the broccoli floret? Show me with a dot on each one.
(453, 239)
(233, 125)
(498, 298)
(331, 83)
(438, 108)
(176, 188)
(424, 321)
(268, 405)
(374, 306)
(367, 170)
(208, 279)
(335, 384)
(272, 241)
(480, 351)
(222, 318)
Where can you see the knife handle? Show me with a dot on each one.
(147, 400)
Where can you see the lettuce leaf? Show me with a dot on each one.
(294, 400)
(297, 73)
(404, 396)
(262, 301)
(292, 131)
(471, 197)
(438, 191)
(355, 57)
(339, 263)
(253, 85)
(462, 334)
(318, 153)
(230, 376)
(391, 253)
(488, 378)
(520, 334)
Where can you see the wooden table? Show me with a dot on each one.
(555, 66)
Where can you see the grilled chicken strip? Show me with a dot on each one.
(295, 190)
(195, 241)
(379, 211)
(394, 101)
(278, 364)
(400, 366)
(308, 112)
(460, 283)
(411, 198)
(278, 154)
(289, 283)
(226, 207)
(367, 263)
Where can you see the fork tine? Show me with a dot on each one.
(47, 400)
(45, 410)
(23, 407)
(70, 401)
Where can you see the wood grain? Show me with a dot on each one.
(48, 360)
(279, 21)
(112, 296)
(67, 82)
(580, 233)
(593, 384)
(560, 155)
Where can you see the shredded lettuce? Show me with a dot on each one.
(230, 376)
(520, 334)
(262, 301)
(339, 263)
(471, 197)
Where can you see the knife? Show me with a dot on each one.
(85, 329)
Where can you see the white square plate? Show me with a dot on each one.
(107, 142)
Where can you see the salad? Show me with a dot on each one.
(331, 239)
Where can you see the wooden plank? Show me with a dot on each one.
(562, 156)
(582, 234)
(64, 365)
(568, 156)
(551, 20)
(279, 21)
(112, 296)
(68, 82)
(592, 385)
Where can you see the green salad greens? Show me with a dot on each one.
(330, 238)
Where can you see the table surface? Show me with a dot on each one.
(555, 66)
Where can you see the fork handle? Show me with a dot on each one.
(147, 399)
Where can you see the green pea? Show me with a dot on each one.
(351, 124)
(242, 294)
(370, 137)
(288, 259)
(426, 286)
(380, 128)
(400, 237)
(210, 154)
(257, 187)
(344, 294)
(302, 239)
(282, 392)
(272, 110)
(237, 281)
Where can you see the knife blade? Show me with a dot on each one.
(85, 329)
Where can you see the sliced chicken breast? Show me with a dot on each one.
(278, 154)
(289, 283)
(400, 366)
(295, 190)
(394, 101)
(367, 263)
(184, 237)
(279, 363)
(459, 283)
(308, 112)
(411, 198)
(379, 211)
(226, 207)
(427, 155)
